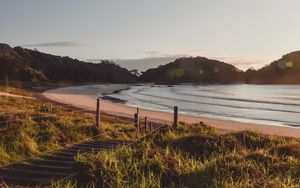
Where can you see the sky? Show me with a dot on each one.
(145, 33)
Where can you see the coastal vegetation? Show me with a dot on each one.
(190, 155)
(194, 70)
(20, 64)
(194, 156)
(29, 127)
(283, 71)
(200, 70)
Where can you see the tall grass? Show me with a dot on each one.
(196, 156)
(187, 156)
(30, 127)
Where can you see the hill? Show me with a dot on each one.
(20, 64)
(207, 71)
(194, 70)
(33, 66)
(283, 71)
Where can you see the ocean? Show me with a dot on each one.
(265, 104)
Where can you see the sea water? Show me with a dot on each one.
(267, 104)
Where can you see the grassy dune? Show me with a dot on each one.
(186, 156)
(30, 127)
(196, 156)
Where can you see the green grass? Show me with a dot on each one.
(24, 135)
(187, 156)
(196, 156)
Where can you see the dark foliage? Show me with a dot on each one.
(194, 70)
(206, 71)
(283, 71)
(34, 66)
(21, 64)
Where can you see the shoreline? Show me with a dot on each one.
(87, 101)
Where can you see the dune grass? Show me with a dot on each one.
(187, 156)
(30, 127)
(196, 156)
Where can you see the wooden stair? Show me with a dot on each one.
(51, 167)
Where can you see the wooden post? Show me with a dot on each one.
(136, 122)
(145, 125)
(98, 113)
(138, 119)
(150, 127)
(175, 123)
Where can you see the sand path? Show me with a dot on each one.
(14, 95)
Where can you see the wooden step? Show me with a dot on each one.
(83, 148)
(45, 168)
(22, 173)
(54, 166)
(30, 182)
(53, 162)
(98, 145)
(59, 158)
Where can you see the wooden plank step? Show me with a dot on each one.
(32, 171)
(17, 181)
(45, 168)
(112, 142)
(59, 158)
(53, 162)
(65, 154)
(60, 161)
(6, 173)
(54, 166)
(94, 145)
(89, 148)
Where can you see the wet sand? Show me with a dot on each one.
(85, 97)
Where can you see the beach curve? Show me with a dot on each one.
(84, 97)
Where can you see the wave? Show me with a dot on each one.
(223, 102)
(239, 99)
(201, 113)
(218, 104)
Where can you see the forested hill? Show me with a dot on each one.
(34, 66)
(194, 70)
(20, 64)
(201, 70)
(286, 70)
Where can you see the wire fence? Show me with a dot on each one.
(158, 127)
(53, 110)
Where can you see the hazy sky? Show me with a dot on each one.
(245, 33)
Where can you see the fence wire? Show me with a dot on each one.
(122, 148)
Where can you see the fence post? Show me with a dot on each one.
(175, 123)
(150, 126)
(136, 122)
(145, 125)
(98, 113)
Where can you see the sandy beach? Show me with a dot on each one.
(14, 95)
(84, 97)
